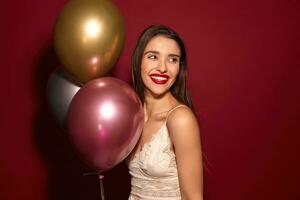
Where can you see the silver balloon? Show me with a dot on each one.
(60, 91)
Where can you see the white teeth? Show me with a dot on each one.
(159, 78)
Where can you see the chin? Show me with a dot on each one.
(157, 93)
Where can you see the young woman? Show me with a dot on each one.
(166, 164)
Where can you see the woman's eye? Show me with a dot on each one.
(152, 56)
(173, 59)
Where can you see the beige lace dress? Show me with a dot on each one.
(153, 169)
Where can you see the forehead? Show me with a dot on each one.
(163, 44)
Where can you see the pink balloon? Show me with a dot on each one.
(105, 121)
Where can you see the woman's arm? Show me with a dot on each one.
(184, 133)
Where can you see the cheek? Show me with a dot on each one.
(144, 72)
(175, 71)
(146, 68)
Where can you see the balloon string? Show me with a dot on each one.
(90, 173)
(101, 177)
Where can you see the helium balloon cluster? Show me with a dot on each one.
(103, 115)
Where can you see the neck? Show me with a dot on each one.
(154, 105)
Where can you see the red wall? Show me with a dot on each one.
(243, 75)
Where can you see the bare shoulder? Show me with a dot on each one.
(184, 134)
(182, 124)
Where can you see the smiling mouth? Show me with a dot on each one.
(159, 78)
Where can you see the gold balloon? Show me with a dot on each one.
(88, 38)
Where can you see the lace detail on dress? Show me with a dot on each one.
(153, 169)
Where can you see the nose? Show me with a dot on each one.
(162, 68)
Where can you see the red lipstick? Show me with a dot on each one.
(159, 78)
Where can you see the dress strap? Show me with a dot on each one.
(170, 111)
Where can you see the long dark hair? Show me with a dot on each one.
(178, 89)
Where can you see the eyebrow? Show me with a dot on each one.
(156, 52)
(174, 55)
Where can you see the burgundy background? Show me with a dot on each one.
(244, 79)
